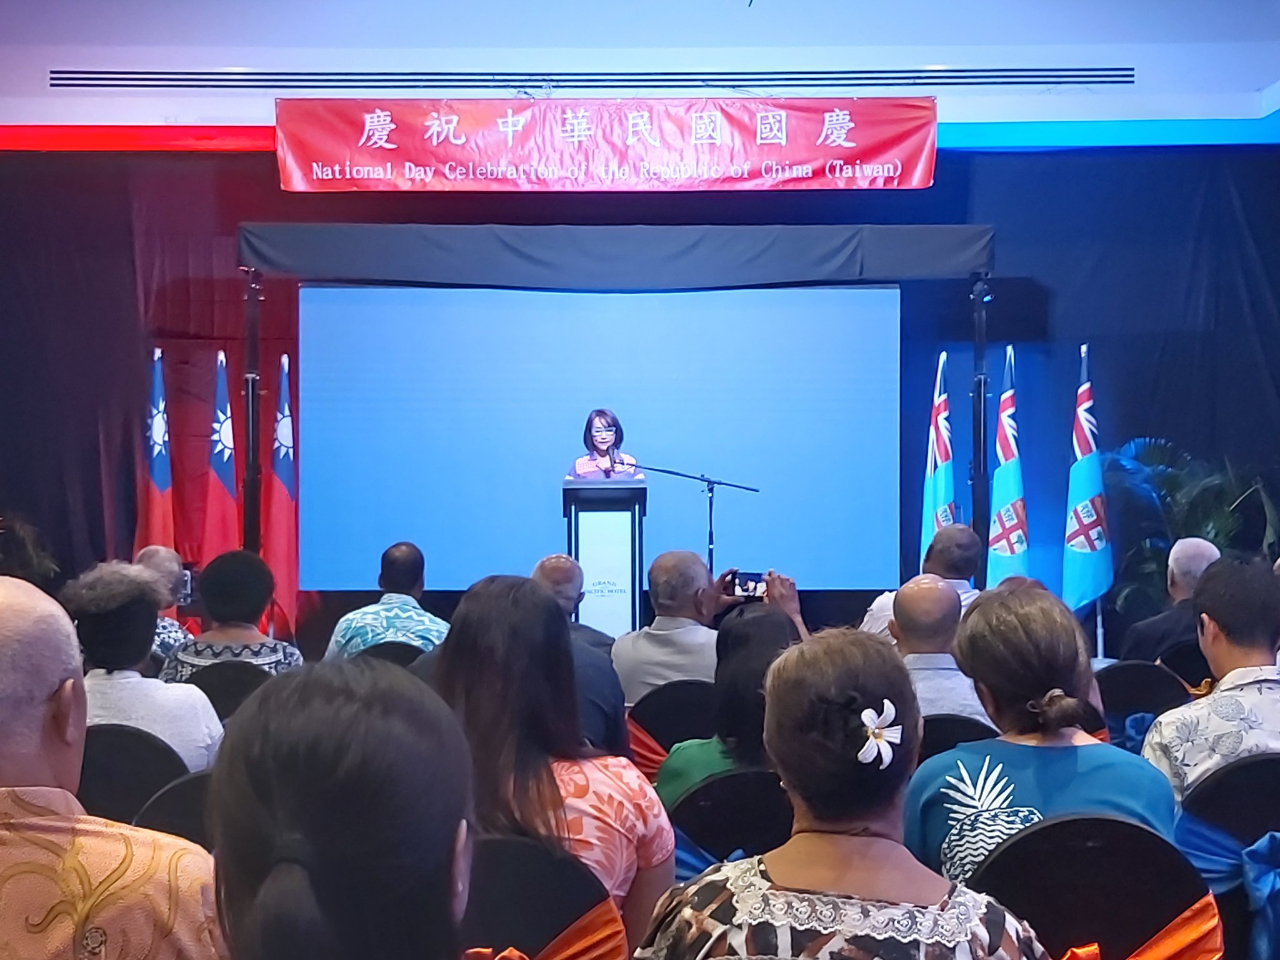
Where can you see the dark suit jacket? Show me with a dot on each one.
(1152, 637)
(601, 705)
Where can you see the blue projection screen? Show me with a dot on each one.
(450, 416)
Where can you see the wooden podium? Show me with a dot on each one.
(606, 536)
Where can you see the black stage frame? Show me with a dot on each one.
(616, 259)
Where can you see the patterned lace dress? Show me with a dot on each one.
(736, 910)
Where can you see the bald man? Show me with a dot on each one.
(926, 613)
(398, 616)
(165, 563)
(679, 644)
(107, 888)
(601, 705)
(1150, 639)
(561, 574)
(953, 555)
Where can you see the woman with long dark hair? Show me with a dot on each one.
(603, 436)
(749, 640)
(507, 671)
(339, 808)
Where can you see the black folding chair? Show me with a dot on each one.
(124, 767)
(1239, 799)
(1083, 880)
(179, 809)
(1136, 686)
(743, 810)
(393, 651)
(1188, 662)
(942, 731)
(678, 711)
(524, 894)
(228, 684)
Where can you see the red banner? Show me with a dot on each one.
(713, 144)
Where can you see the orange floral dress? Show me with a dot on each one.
(616, 824)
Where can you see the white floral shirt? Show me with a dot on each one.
(1239, 718)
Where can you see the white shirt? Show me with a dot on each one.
(942, 688)
(672, 648)
(178, 713)
(881, 610)
(1239, 718)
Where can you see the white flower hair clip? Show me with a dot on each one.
(880, 735)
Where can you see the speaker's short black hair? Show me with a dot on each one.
(237, 587)
(1242, 596)
(610, 420)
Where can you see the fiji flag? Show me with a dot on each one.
(1086, 565)
(939, 482)
(280, 543)
(221, 515)
(155, 499)
(1007, 554)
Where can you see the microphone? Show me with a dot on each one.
(613, 458)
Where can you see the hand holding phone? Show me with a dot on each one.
(748, 584)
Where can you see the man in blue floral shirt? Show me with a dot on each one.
(1237, 607)
(396, 618)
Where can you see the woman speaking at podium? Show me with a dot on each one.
(602, 436)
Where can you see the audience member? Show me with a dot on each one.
(680, 643)
(843, 729)
(507, 671)
(237, 588)
(601, 705)
(398, 616)
(953, 556)
(72, 885)
(926, 613)
(115, 607)
(1026, 655)
(562, 576)
(1237, 605)
(750, 639)
(1151, 638)
(343, 847)
(167, 566)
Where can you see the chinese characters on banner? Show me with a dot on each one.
(713, 144)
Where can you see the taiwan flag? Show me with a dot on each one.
(280, 540)
(221, 515)
(155, 495)
(1087, 570)
(939, 481)
(1007, 553)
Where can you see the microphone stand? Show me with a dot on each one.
(711, 502)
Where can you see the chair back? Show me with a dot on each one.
(1188, 662)
(1136, 686)
(1240, 800)
(524, 894)
(179, 809)
(1082, 880)
(678, 711)
(393, 651)
(743, 810)
(942, 731)
(229, 684)
(124, 767)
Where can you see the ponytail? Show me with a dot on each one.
(284, 919)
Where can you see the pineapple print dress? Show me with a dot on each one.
(961, 804)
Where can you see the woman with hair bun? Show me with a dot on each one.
(1026, 655)
(842, 728)
(352, 846)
